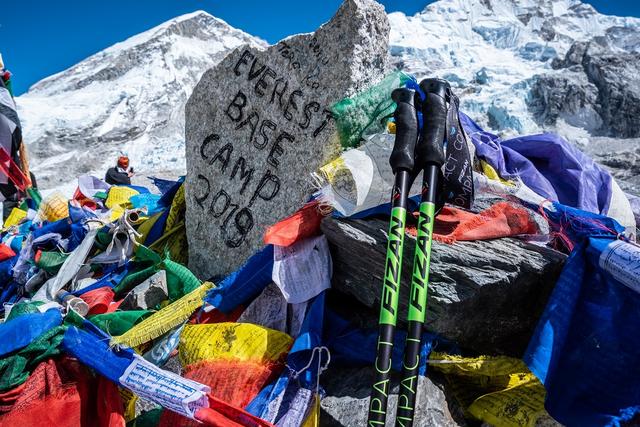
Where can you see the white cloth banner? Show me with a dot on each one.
(302, 270)
(271, 310)
(68, 271)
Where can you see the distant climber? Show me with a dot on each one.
(121, 173)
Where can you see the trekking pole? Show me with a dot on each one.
(401, 161)
(429, 159)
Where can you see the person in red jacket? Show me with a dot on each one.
(121, 173)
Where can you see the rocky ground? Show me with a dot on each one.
(484, 295)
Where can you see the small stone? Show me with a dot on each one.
(147, 294)
(259, 123)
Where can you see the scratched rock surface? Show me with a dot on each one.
(258, 124)
(485, 295)
(346, 402)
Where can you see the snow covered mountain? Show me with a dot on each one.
(519, 66)
(526, 66)
(128, 97)
(496, 50)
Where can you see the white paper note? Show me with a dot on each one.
(302, 270)
(622, 261)
(165, 388)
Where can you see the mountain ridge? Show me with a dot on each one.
(145, 37)
(129, 97)
(508, 60)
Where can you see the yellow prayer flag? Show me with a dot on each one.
(15, 217)
(164, 320)
(498, 390)
(232, 341)
(119, 196)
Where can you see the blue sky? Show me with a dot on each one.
(39, 38)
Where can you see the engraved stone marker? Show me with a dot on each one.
(259, 123)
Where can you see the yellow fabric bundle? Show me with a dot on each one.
(232, 341)
(119, 196)
(498, 390)
(164, 320)
(15, 217)
(54, 207)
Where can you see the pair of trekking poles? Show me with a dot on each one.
(413, 152)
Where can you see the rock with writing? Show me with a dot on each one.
(259, 123)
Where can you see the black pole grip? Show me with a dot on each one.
(430, 149)
(402, 156)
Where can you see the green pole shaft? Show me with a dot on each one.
(389, 301)
(417, 299)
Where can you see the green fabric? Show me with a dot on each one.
(367, 112)
(180, 280)
(145, 254)
(51, 261)
(23, 308)
(174, 242)
(119, 322)
(72, 318)
(133, 279)
(103, 238)
(9, 85)
(149, 418)
(15, 369)
(35, 195)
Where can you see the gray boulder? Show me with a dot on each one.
(617, 77)
(621, 157)
(347, 401)
(614, 73)
(148, 294)
(567, 95)
(259, 123)
(485, 295)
